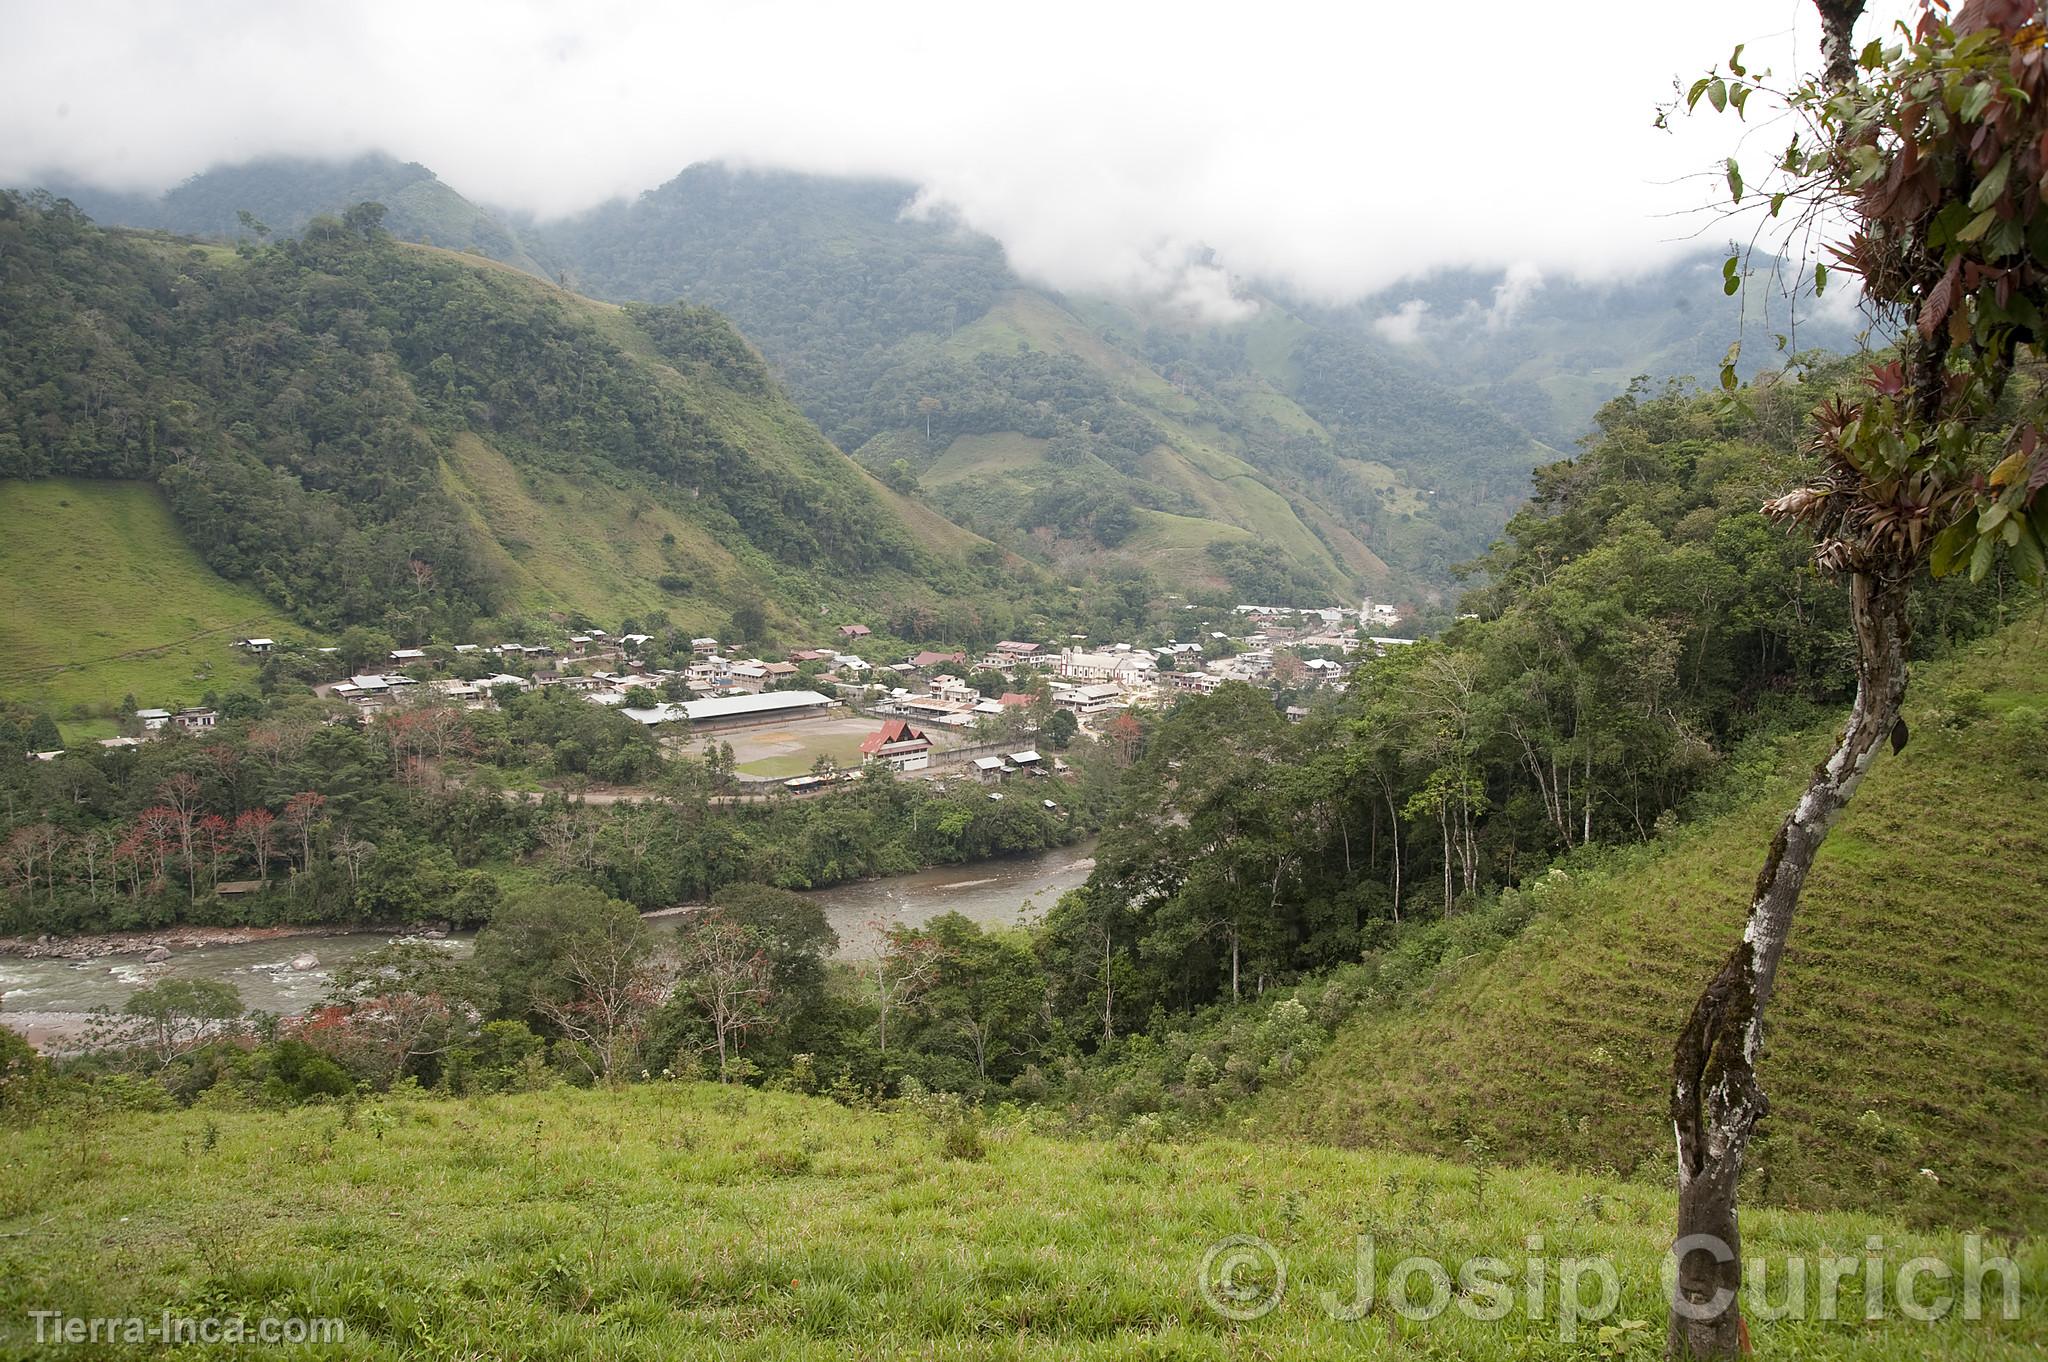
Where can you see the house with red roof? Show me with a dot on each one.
(898, 746)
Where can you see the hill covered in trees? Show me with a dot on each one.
(1065, 426)
(282, 195)
(374, 432)
(1299, 450)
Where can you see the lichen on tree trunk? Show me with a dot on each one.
(1716, 1100)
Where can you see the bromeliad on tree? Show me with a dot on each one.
(1933, 152)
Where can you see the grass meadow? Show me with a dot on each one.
(105, 598)
(690, 1220)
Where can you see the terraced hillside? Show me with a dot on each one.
(1903, 1062)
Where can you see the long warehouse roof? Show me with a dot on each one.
(767, 702)
(729, 706)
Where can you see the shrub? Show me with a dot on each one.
(957, 1121)
(24, 1075)
(292, 1072)
(500, 1056)
(1031, 1085)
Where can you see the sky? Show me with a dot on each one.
(1152, 150)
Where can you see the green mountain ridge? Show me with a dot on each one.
(285, 193)
(904, 335)
(373, 432)
(1298, 454)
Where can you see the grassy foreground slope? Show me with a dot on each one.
(1906, 1030)
(105, 597)
(689, 1220)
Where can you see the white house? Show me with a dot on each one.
(1092, 699)
(898, 746)
(1077, 665)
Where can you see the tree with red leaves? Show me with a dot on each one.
(256, 833)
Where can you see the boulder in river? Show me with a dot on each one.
(157, 955)
(305, 961)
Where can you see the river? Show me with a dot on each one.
(47, 997)
(1000, 892)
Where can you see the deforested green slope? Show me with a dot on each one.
(1903, 1061)
(104, 597)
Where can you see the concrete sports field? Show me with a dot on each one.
(783, 749)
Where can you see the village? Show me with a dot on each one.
(825, 713)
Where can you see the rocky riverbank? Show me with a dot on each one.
(97, 944)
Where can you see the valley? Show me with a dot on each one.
(1121, 684)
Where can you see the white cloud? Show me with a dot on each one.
(1512, 294)
(1155, 148)
(1404, 324)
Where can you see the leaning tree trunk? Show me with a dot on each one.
(1716, 1101)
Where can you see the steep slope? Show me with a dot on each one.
(106, 598)
(911, 342)
(373, 432)
(1904, 1063)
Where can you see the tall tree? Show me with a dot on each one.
(1935, 150)
(726, 969)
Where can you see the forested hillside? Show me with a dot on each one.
(1302, 450)
(1650, 654)
(1643, 622)
(281, 195)
(1066, 428)
(368, 431)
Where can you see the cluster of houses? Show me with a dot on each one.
(1278, 646)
